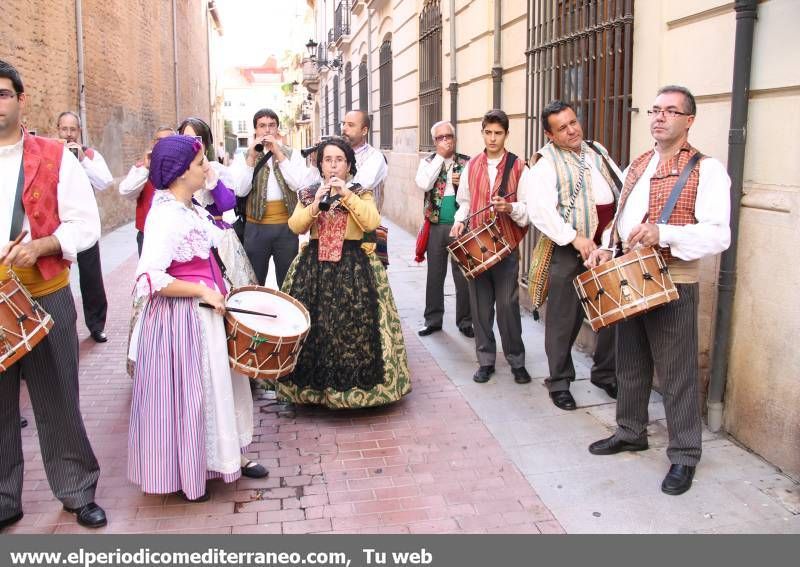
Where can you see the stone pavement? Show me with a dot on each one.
(452, 457)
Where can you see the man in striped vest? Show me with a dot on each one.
(48, 196)
(570, 194)
(665, 340)
(480, 185)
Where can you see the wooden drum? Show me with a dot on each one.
(23, 322)
(479, 249)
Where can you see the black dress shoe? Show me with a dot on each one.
(23, 422)
(612, 446)
(610, 389)
(563, 400)
(521, 375)
(89, 516)
(99, 336)
(428, 330)
(678, 480)
(467, 332)
(483, 374)
(205, 497)
(10, 521)
(254, 470)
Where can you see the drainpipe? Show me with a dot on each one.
(453, 88)
(175, 58)
(370, 13)
(81, 76)
(497, 67)
(746, 15)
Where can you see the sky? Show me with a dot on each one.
(255, 29)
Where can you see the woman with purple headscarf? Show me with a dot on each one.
(191, 416)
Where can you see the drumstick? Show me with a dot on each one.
(17, 240)
(237, 310)
(486, 207)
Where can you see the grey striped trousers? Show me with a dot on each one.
(51, 374)
(664, 340)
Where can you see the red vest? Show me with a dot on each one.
(41, 162)
(143, 202)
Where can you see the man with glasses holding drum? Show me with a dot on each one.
(491, 178)
(570, 194)
(47, 194)
(438, 176)
(665, 340)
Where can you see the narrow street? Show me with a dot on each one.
(452, 457)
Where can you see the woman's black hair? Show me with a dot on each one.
(349, 154)
(203, 130)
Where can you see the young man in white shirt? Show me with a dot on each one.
(93, 293)
(438, 175)
(570, 194)
(665, 340)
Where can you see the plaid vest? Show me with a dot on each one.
(433, 198)
(661, 185)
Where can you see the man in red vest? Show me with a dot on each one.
(136, 185)
(44, 191)
(93, 293)
(481, 184)
(665, 340)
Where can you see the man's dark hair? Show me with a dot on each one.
(202, 129)
(365, 121)
(553, 107)
(8, 71)
(269, 113)
(691, 105)
(68, 113)
(349, 154)
(495, 116)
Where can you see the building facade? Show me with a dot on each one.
(410, 63)
(145, 64)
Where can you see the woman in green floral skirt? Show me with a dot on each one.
(354, 355)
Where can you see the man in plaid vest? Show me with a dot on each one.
(665, 340)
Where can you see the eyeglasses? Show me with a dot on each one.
(337, 160)
(443, 138)
(668, 113)
(6, 94)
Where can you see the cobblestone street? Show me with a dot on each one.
(451, 457)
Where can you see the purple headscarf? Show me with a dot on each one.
(171, 157)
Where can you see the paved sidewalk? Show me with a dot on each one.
(426, 464)
(454, 456)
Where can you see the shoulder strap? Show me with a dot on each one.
(666, 212)
(611, 172)
(261, 163)
(506, 171)
(18, 212)
(577, 188)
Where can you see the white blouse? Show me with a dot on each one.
(173, 233)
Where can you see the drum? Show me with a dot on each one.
(625, 287)
(23, 322)
(479, 249)
(261, 346)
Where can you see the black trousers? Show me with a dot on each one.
(434, 286)
(139, 241)
(51, 374)
(265, 241)
(93, 294)
(564, 318)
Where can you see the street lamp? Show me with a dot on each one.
(312, 48)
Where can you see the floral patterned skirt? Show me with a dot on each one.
(354, 355)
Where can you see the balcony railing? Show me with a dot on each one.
(341, 20)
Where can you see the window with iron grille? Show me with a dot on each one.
(348, 87)
(363, 87)
(385, 106)
(580, 51)
(327, 110)
(337, 123)
(430, 71)
(341, 19)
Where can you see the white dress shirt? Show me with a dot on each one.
(428, 173)
(538, 189)
(518, 209)
(77, 208)
(134, 182)
(97, 171)
(711, 235)
(293, 170)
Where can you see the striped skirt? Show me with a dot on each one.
(190, 415)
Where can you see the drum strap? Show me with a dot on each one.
(611, 172)
(506, 171)
(666, 212)
(221, 265)
(18, 212)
